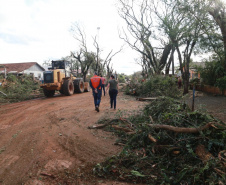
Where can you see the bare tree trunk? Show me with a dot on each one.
(84, 76)
(77, 67)
(186, 83)
(168, 67)
(181, 129)
(224, 38)
(186, 75)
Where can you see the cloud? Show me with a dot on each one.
(36, 30)
(16, 39)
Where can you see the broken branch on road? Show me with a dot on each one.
(181, 129)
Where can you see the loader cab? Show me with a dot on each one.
(62, 64)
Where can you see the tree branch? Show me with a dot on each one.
(180, 129)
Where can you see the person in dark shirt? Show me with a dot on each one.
(103, 83)
(113, 90)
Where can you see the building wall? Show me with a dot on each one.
(210, 89)
(194, 74)
(35, 70)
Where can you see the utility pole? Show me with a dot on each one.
(98, 30)
(98, 49)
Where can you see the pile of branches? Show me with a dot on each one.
(167, 144)
(19, 88)
(153, 87)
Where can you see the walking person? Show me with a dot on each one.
(103, 84)
(95, 84)
(179, 82)
(113, 90)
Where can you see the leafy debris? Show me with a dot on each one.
(156, 155)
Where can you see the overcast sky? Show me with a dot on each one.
(39, 30)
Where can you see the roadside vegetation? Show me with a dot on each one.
(165, 142)
(213, 73)
(16, 89)
(153, 86)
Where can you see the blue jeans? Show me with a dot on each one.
(103, 87)
(97, 97)
(113, 94)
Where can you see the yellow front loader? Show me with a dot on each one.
(60, 78)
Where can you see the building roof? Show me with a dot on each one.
(19, 67)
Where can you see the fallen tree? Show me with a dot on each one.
(3, 93)
(181, 129)
(178, 147)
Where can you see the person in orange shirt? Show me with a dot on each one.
(95, 83)
(103, 84)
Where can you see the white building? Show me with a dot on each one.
(31, 68)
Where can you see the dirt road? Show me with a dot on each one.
(46, 141)
(215, 105)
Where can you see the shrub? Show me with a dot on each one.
(221, 83)
(121, 78)
(11, 78)
(211, 72)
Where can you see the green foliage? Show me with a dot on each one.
(155, 86)
(11, 78)
(20, 88)
(173, 158)
(121, 78)
(1, 77)
(194, 81)
(211, 72)
(221, 83)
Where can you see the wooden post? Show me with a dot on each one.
(5, 73)
(193, 99)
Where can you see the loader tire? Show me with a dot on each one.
(86, 87)
(48, 93)
(68, 88)
(79, 85)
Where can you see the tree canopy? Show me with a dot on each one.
(158, 28)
